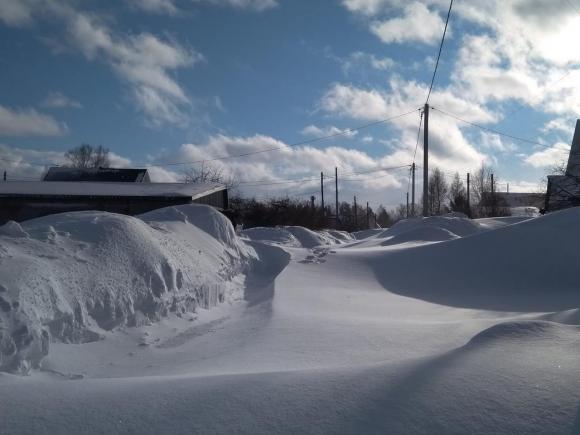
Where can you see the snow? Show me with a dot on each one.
(75, 275)
(293, 236)
(474, 330)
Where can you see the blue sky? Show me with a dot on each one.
(160, 81)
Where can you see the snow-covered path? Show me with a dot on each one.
(325, 348)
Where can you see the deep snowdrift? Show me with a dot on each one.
(297, 237)
(71, 276)
(420, 230)
(528, 266)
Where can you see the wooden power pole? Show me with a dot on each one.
(413, 190)
(355, 213)
(492, 197)
(426, 161)
(336, 191)
(368, 216)
(468, 197)
(322, 192)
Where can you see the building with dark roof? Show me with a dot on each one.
(564, 190)
(23, 200)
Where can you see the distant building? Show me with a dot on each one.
(124, 191)
(522, 199)
(564, 190)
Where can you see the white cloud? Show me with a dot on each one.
(367, 139)
(417, 24)
(27, 164)
(145, 61)
(494, 142)
(346, 100)
(256, 5)
(16, 12)
(59, 100)
(29, 122)
(549, 157)
(314, 131)
(360, 60)
(563, 125)
(156, 6)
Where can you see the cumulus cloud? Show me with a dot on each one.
(549, 157)
(144, 61)
(27, 164)
(29, 122)
(16, 12)
(256, 5)
(417, 24)
(314, 131)
(59, 100)
(156, 6)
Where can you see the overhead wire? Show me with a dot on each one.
(439, 53)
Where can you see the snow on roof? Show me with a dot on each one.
(84, 188)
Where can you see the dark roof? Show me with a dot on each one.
(97, 174)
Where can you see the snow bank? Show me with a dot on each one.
(364, 234)
(70, 277)
(297, 237)
(527, 266)
(418, 230)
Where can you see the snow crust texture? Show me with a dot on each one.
(297, 237)
(70, 277)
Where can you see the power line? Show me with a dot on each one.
(250, 153)
(440, 49)
(491, 130)
(305, 142)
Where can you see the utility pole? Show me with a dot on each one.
(368, 216)
(492, 197)
(336, 189)
(407, 205)
(355, 213)
(508, 188)
(468, 199)
(322, 193)
(312, 201)
(413, 190)
(426, 161)
(4, 175)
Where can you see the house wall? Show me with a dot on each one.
(22, 208)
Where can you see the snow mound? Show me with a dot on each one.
(12, 229)
(455, 223)
(420, 234)
(277, 235)
(529, 266)
(337, 237)
(422, 229)
(524, 329)
(76, 275)
(297, 237)
(365, 234)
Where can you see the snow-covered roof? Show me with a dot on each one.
(84, 188)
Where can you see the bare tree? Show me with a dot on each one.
(457, 195)
(383, 217)
(438, 189)
(86, 156)
(208, 174)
